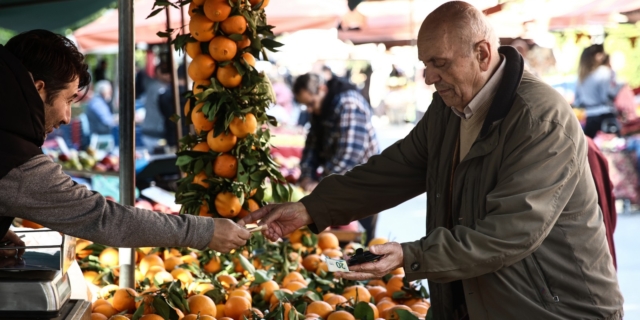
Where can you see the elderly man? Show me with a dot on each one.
(98, 112)
(514, 230)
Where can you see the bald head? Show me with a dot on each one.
(460, 24)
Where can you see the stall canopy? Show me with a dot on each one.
(391, 21)
(23, 15)
(594, 12)
(285, 15)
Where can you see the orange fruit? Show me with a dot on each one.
(341, 315)
(241, 293)
(151, 317)
(202, 304)
(248, 314)
(377, 282)
(393, 315)
(332, 253)
(183, 275)
(222, 48)
(187, 107)
(216, 10)
(394, 284)
(320, 308)
(201, 28)
(227, 204)
(107, 291)
(236, 306)
(234, 25)
(99, 302)
(249, 59)
(106, 310)
(91, 277)
(292, 276)
(357, 293)
(191, 9)
(198, 84)
(245, 42)
(214, 265)
(98, 316)
(229, 77)
(199, 179)
(227, 281)
(200, 120)
(109, 258)
(384, 307)
(327, 295)
(225, 166)
(81, 244)
(296, 236)
(193, 49)
(328, 240)
(201, 147)
(376, 313)
(269, 287)
(198, 2)
(242, 128)
(377, 241)
(286, 306)
(420, 308)
(191, 259)
(204, 211)
(149, 261)
(223, 142)
(378, 292)
(255, 3)
(322, 266)
(397, 271)
(252, 205)
(311, 262)
(201, 67)
(295, 286)
(125, 299)
(220, 310)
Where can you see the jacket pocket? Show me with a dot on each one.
(540, 283)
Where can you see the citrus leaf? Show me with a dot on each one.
(261, 277)
(154, 12)
(429, 315)
(246, 264)
(235, 37)
(139, 312)
(363, 311)
(161, 306)
(404, 314)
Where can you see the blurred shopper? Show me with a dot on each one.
(153, 126)
(596, 90)
(98, 112)
(99, 72)
(167, 108)
(513, 227)
(341, 135)
(41, 74)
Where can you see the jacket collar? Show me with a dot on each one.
(506, 94)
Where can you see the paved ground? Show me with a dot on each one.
(406, 222)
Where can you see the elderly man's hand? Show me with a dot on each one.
(280, 219)
(227, 235)
(12, 240)
(393, 259)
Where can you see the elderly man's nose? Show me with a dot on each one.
(431, 76)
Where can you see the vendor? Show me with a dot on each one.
(41, 74)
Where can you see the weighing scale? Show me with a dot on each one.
(37, 286)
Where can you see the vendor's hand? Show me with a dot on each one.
(308, 184)
(10, 262)
(227, 235)
(393, 259)
(14, 241)
(280, 219)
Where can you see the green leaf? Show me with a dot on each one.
(405, 314)
(139, 312)
(161, 306)
(400, 295)
(154, 12)
(198, 166)
(183, 160)
(261, 277)
(246, 264)
(174, 118)
(163, 34)
(429, 315)
(363, 311)
(235, 37)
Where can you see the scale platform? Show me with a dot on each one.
(37, 286)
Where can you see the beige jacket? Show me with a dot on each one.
(516, 232)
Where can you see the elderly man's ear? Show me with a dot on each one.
(483, 54)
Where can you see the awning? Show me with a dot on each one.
(594, 12)
(24, 15)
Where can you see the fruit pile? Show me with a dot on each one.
(85, 160)
(283, 280)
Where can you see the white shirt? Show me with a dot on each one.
(487, 92)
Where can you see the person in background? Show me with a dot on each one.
(153, 126)
(98, 112)
(513, 226)
(41, 74)
(99, 72)
(596, 90)
(341, 135)
(167, 108)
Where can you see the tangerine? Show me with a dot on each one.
(225, 166)
(320, 308)
(242, 128)
(201, 304)
(249, 59)
(229, 77)
(244, 43)
(199, 84)
(201, 28)
(222, 48)
(109, 258)
(341, 315)
(125, 299)
(216, 10)
(227, 204)
(193, 49)
(236, 306)
(223, 142)
(234, 25)
(201, 67)
(201, 147)
(200, 120)
(328, 240)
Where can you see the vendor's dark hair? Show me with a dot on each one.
(308, 81)
(52, 58)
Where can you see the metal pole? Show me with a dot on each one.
(126, 85)
(174, 81)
